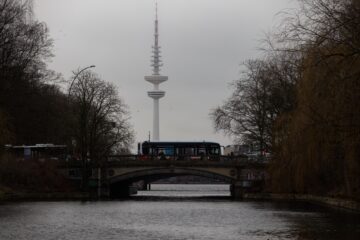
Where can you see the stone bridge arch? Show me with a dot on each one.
(120, 179)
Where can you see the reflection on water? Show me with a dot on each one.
(187, 190)
(166, 214)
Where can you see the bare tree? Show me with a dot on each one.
(23, 44)
(328, 27)
(24, 47)
(101, 118)
(265, 90)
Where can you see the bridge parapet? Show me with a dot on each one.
(157, 161)
(183, 161)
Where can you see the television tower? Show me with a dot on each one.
(156, 79)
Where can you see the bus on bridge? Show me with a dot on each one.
(179, 150)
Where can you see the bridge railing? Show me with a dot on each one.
(181, 160)
(185, 160)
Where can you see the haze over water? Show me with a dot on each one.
(165, 213)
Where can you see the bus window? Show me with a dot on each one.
(214, 151)
(145, 151)
(189, 151)
(201, 151)
(180, 148)
(169, 151)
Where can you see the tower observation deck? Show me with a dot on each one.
(156, 79)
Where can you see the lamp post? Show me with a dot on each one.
(77, 75)
(82, 138)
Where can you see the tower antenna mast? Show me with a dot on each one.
(156, 79)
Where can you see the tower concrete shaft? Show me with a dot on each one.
(156, 121)
(156, 79)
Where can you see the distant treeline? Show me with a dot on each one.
(301, 101)
(31, 110)
(38, 106)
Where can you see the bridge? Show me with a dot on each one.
(116, 174)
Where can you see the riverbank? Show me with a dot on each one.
(338, 203)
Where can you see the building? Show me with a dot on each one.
(156, 79)
(236, 150)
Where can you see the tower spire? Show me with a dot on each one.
(156, 11)
(156, 79)
(156, 61)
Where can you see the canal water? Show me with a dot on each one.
(175, 212)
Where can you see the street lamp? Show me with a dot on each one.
(82, 145)
(77, 75)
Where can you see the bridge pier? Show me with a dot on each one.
(120, 190)
(146, 186)
(143, 185)
(237, 190)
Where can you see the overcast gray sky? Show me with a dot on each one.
(203, 44)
